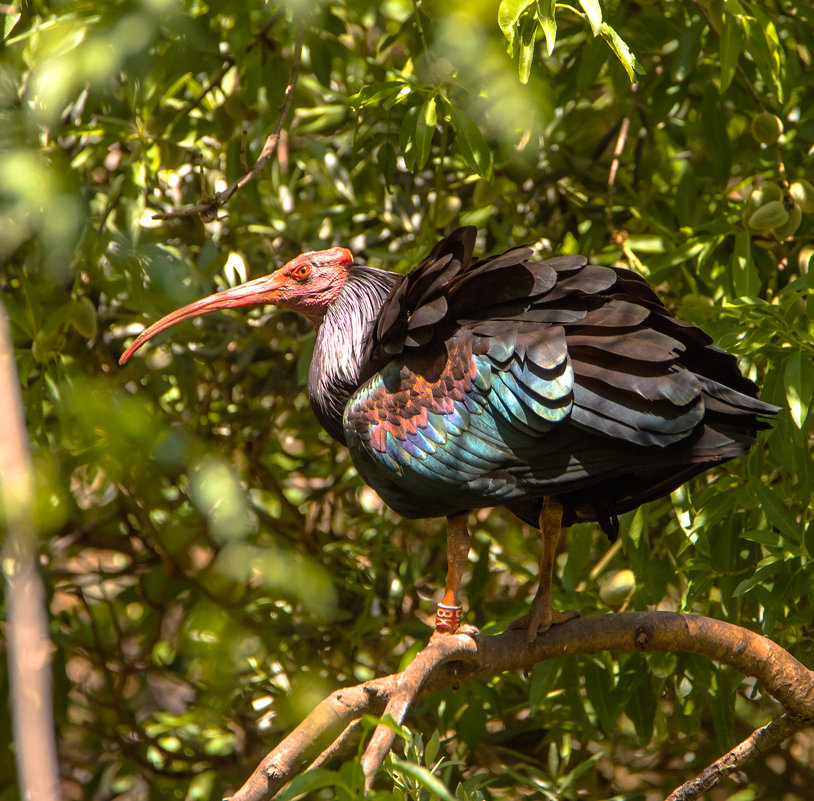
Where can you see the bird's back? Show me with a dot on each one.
(501, 381)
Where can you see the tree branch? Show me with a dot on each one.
(29, 646)
(208, 207)
(408, 685)
(436, 668)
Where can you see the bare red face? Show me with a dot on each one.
(307, 284)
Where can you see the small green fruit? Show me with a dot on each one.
(615, 587)
(83, 317)
(791, 225)
(769, 216)
(764, 193)
(766, 128)
(802, 193)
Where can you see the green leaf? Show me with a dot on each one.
(420, 774)
(763, 46)
(593, 11)
(546, 10)
(640, 707)
(471, 143)
(376, 93)
(431, 749)
(622, 51)
(799, 382)
(722, 702)
(579, 553)
(729, 49)
(508, 15)
(775, 56)
(745, 278)
(407, 138)
(543, 679)
(424, 130)
(307, 782)
(809, 538)
(598, 686)
(634, 531)
(525, 57)
(777, 512)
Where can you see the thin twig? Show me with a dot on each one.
(208, 207)
(228, 63)
(618, 149)
(336, 746)
(758, 742)
(29, 646)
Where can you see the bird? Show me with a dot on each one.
(562, 390)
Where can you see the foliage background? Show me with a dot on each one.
(214, 565)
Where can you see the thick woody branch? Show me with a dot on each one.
(408, 686)
(782, 676)
(208, 207)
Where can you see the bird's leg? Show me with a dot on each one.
(541, 616)
(448, 612)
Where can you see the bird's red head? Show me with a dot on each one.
(307, 284)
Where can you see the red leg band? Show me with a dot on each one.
(448, 618)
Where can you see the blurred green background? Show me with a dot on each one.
(213, 563)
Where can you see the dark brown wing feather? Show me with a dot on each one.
(577, 383)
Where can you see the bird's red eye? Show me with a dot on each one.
(303, 271)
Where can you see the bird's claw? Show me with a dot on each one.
(539, 620)
(465, 628)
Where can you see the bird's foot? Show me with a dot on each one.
(465, 628)
(448, 621)
(541, 619)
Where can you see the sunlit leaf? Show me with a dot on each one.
(423, 777)
(622, 51)
(799, 381)
(745, 278)
(729, 49)
(425, 128)
(593, 11)
(508, 14)
(471, 143)
(546, 16)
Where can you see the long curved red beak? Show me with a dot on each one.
(252, 293)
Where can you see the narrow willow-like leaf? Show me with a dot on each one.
(525, 56)
(729, 49)
(471, 143)
(508, 15)
(622, 51)
(779, 515)
(424, 129)
(799, 382)
(422, 776)
(745, 278)
(593, 11)
(548, 22)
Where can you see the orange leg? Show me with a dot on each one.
(448, 612)
(541, 616)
